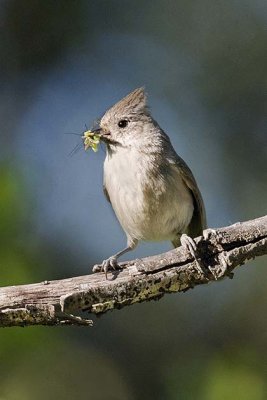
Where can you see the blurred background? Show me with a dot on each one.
(204, 66)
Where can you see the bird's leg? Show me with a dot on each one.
(112, 262)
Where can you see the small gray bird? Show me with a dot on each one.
(151, 189)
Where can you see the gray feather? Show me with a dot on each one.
(198, 222)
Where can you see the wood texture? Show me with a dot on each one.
(54, 302)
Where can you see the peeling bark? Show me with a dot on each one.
(54, 302)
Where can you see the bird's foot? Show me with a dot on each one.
(109, 263)
(222, 270)
(190, 245)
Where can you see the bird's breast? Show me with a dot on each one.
(150, 199)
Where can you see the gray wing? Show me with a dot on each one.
(198, 222)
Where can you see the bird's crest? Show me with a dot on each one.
(133, 103)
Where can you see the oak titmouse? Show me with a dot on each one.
(151, 189)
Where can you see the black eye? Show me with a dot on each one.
(123, 123)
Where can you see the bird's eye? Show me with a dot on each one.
(123, 123)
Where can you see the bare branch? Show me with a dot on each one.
(54, 302)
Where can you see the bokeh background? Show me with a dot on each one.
(204, 66)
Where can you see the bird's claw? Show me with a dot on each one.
(190, 245)
(109, 263)
(222, 269)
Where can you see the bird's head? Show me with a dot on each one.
(126, 121)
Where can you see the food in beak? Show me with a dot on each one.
(91, 140)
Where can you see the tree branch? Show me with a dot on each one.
(54, 302)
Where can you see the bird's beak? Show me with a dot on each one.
(96, 131)
(103, 134)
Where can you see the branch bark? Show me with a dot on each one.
(54, 302)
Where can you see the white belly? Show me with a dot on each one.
(148, 206)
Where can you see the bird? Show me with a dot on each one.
(151, 189)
